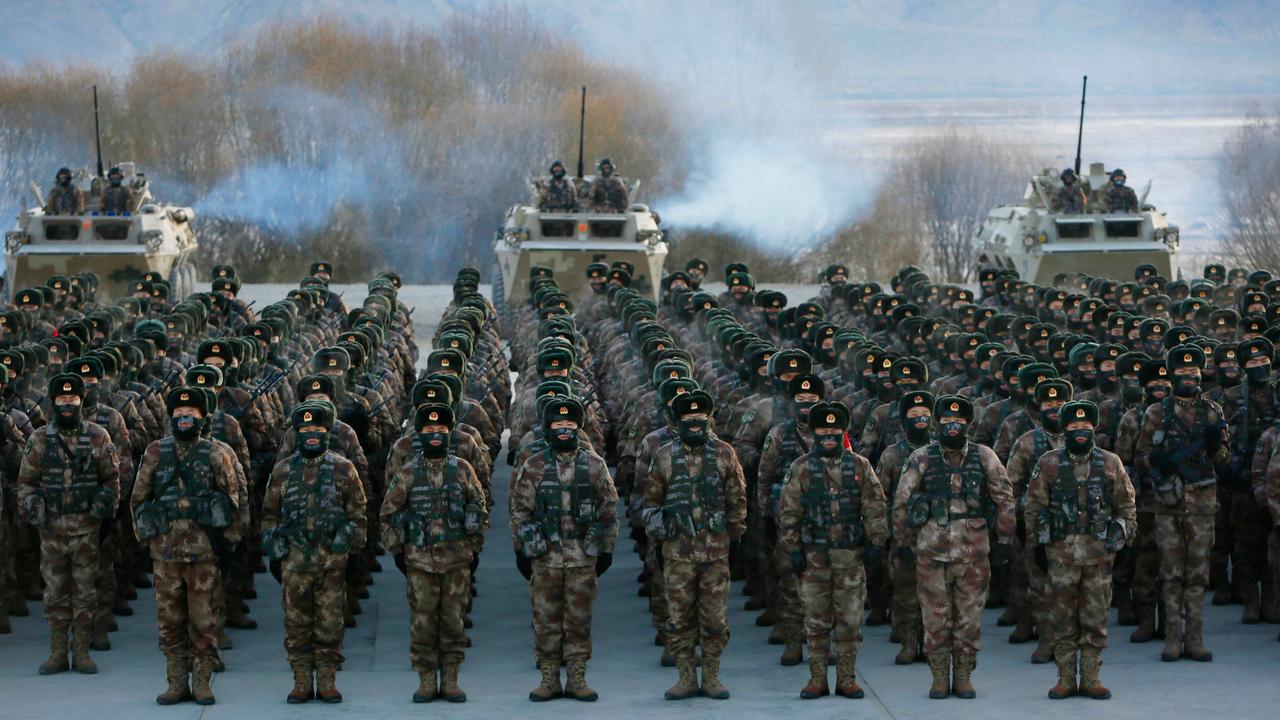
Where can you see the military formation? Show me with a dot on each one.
(905, 455)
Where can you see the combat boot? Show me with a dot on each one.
(5, 627)
(1172, 633)
(1221, 588)
(326, 690)
(910, 651)
(940, 666)
(847, 677)
(549, 689)
(236, 618)
(961, 686)
(427, 690)
(1126, 616)
(121, 607)
(686, 684)
(303, 684)
(711, 685)
(80, 660)
(201, 679)
(176, 673)
(1146, 629)
(576, 686)
(817, 686)
(223, 640)
(99, 641)
(1023, 632)
(1066, 686)
(1090, 666)
(1043, 653)
(766, 618)
(57, 661)
(667, 659)
(778, 635)
(1008, 618)
(1252, 613)
(18, 604)
(1193, 640)
(793, 654)
(755, 602)
(877, 617)
(449, 689)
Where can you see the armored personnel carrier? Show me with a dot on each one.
(567, 242)
(153, 236)
(1039, 243)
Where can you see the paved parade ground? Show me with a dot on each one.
(1242, 682)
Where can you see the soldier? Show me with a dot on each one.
(915, 412)
(64, 198)
(1120, 197)
(557, 193)
(951, 480)
(68, 485)
(433, 518)
(1069, 199)
(1181, 439)
(832, 521)
(184, 496)
(1079, 513)
(564, 524)
(117, 198)
(696, 505)
(608, 194)
(313, 518)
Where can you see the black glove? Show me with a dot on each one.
(1163, 463)
(797, 562)
(1001, 554)
(771, 530)
(525, 566)
(1042, 558)
(511, 455)
(907, 555)
(603, 561)
(1212, 439)
(875, 559)
(277, 572)
(104, 529)
(400, 565)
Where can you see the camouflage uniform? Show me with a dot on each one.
(75, 477)
(1069, 200)
(433, 515)
(65, 200)
(557, 195)
(1071, 502)
(831, 508)
(608, 195)
(1027, 588)
(1121, 199)
(310, 500)
(906, 606)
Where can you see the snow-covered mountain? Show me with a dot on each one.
(884, 47)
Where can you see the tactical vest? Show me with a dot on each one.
(1040, 444)
(319, 501)
(218, 425)
(1176, 439)
(1066, 517)
(892, 430)
(184, 487)
(791, 450)
(57, 462)
(1112, 428)
(548, 510)
(445, 503)
(832, 516)
(937, 496)
(679, 507)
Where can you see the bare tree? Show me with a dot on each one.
(1249, 178)
(946, 182)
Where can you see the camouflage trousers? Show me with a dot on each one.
(1028, 586)
(1146, 561)
(952, 595)
(562, 599)
(69, 566)
(834, 599)
(906, 606)
(105, 585)
(185, 600)
(437, 602)
(657, 587)
(789, 611)
(1221, 565)
(1184, 542)
(315, 603)
(1079, 597)
(1250, 523)
(698, 603)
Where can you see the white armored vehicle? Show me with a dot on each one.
(1038, 242)
(152, 237)
(567, 242)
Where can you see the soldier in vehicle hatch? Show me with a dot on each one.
(1120, 197)
(557, 192)
(608, 193)
(117, 198)
(64, 198)
(1070, 199)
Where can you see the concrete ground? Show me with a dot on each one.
(1242, 682)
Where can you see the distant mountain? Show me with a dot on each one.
(882, 47)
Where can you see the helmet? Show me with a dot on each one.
(1117, 173)
(1068, 173)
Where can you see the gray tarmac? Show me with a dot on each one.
(1243, 681)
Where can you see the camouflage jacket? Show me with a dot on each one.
(1080, 548)
(1026, 453)
(100, 459)
(442, 556)
(185, 541)
(704, 545)
(344, 494)
(525, 507)
(794, 515)
(1196, 500)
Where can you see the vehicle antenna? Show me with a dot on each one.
(97, 131)
(582, 127)
(1080, 133)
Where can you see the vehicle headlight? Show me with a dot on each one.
(1028, 241)
(153, 239)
